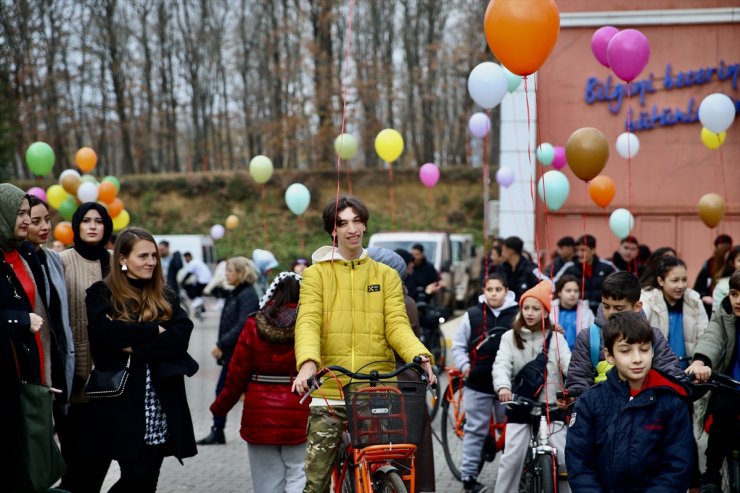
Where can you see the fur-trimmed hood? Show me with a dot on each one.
(272, 333)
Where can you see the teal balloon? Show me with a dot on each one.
(545, 154)
(553, 189)
(297, 198)
(40, 158)
(513, 81)
(346, 146)
(114, 181)
(68, 208)
(621, 223)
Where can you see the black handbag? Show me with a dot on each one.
(107, 383)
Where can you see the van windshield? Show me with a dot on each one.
(430, 248)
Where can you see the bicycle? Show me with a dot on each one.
(731, 467)
(431, 318)
(384, 427)
(453, 423)
(540, 471)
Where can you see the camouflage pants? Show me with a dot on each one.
(324, 436)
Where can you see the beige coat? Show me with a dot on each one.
(694, 316)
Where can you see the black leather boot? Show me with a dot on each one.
(216, 437)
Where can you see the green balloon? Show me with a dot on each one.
(68, 208)
(89, 178)
(348, 147)
(114, 181)
(40, 158)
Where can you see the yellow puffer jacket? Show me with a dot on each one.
(352, 313)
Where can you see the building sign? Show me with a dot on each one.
(614, 92)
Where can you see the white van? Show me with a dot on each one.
(200, 246)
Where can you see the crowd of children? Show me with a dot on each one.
(622, 349)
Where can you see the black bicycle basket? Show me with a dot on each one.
(380, 413)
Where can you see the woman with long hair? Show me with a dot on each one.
(135, 317)
(85, 264)
(240, 302)
(722, 288)
(262, 368)
(49, 275)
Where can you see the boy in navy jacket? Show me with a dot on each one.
(632, 432)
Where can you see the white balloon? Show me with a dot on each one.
(487, 84)
(627, 145)
(87, 192)
(217, 231)
(716, 112)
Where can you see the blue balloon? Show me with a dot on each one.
(553, 189)
(297, 197)
(621, 223)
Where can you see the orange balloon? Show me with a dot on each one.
(602, 190)
(86, 159)
(106, 192)
(115, 207)
(63, 232)
(587, 152)
(711, 209)
(71, 183)
(522, 33)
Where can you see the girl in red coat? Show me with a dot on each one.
(263, 366)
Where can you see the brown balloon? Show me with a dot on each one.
(587, 152)
(71, 183)
(711, 209)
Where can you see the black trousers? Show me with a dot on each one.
(141, 474)
(724, 431)
(85, 472)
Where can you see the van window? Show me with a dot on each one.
(209, 256)
(456, 251)
(430, 248)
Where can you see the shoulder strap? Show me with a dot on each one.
(547, 341)
(595, 341)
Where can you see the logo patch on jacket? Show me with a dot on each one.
(572, 419)
(373, 288)
(656, 425)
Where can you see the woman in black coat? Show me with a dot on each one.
(132, 313)
(240, 303)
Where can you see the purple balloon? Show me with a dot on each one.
(559, 161)
(479, 124)
(600, 41)
(504, 176)
(38, 193)
(628, 54)
(429, 174)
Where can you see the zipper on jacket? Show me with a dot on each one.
(352, 302)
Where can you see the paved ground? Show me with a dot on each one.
(225, 468)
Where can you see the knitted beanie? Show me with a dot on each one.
(542, 292)
(11, 198)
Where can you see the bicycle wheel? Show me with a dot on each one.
(547, 465)
(453, 420)
(389, 482)
(440, 354)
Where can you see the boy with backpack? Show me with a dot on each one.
(632, 432)
(474, 349)
(588, 365)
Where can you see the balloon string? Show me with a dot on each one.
(532, 171)
(519, 171)
(583, 267)
(430, 215)
(390, 191)
(629, 151)
(724, 184)
(486, 212)
(264, 219)
(302, 227)
(544, 190)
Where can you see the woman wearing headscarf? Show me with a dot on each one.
(241, 302)
(49, 275)
(135, 317)
(19, 325)
(85, 264)
(263, 365)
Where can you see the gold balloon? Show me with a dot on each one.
(711, 209)
(587, 152)
(232, 222)
(71, 183)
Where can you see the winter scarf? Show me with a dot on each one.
(93, 252)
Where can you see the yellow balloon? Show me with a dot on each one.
(711, 139)
(260, 167)
(232, 222)
(389, 145)
(56, 194)
(121, 220)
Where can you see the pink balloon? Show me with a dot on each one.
(39, 193)
(504, 176)
(628, 53)
(429, 174)
(600, 41)
(559, 161)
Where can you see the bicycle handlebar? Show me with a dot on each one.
(518, 400)
(716, 380)
(374, 375)
(565, 393)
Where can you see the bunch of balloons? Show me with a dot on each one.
(626, 52)
(716, 114)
